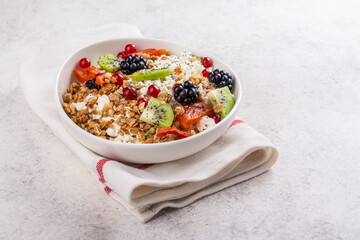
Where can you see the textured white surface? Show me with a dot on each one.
(299, 63)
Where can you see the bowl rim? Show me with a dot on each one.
(238, 87)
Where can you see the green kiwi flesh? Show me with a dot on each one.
(224, 97)
(150, 74)
(158, 113)
(109, 63)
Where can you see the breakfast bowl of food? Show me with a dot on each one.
(141, 100)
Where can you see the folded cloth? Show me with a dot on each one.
(241, 153)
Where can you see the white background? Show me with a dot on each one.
(299, 62)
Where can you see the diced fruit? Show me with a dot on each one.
(130, 48)
(85, 74)
(158, 52)
(122, 55)
(216, 118)
(186, 93)
(142, 100)
(152, 52)
(109, 63)
(82, 75)
(205, 73)
(150, 74)
(132, 64)
(130, 93)
(93, 70)
(100, 80)
(193, 113)
(119, 79)
(84, 63)
(172, 130)
(153, 91)
(158, 114)
(206, 62)
(222, 96)
(146, 51)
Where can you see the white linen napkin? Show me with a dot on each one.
(241, 153)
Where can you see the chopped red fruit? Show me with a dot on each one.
(130, 48)
(142, 100)
(216, 118)
(100, 80)
(84, 63)
(206, 62)
(172, 130)
(159, 52)
(152, 52)
(93, 70)
(193, 113)
(119, 79)
(153, 91)
(130, 93)
(86, 74)
(122, 55)
(205, 72)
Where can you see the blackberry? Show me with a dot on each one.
(186, 93)
(221, 78)
(133, 63)
(91, 84)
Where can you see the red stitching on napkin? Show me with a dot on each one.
(145, 166)
(99, 168)
(237, 121)
(107, 190)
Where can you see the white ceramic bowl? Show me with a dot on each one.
(139, 153)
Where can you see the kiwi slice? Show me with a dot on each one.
(224, 97)
(158, 113)
(109, 63)
(150, 74)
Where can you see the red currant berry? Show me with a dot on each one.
(130, 93)
(206, 62)
(205, 72)
(153, 91)
(122, 55)
(119, 79)
(216, 118)
(130, 48)
(142, 100)
(84, 63)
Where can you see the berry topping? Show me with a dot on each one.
(216, 118)
(122, 55)
(206, 62)
(142, 100)
(119, 79)
(130, 48)
(84, 63)
(186, 93)
(91, 84)
(130, 93)
(205, 72)
(132, 64)
(153, 91)
(221, 78)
